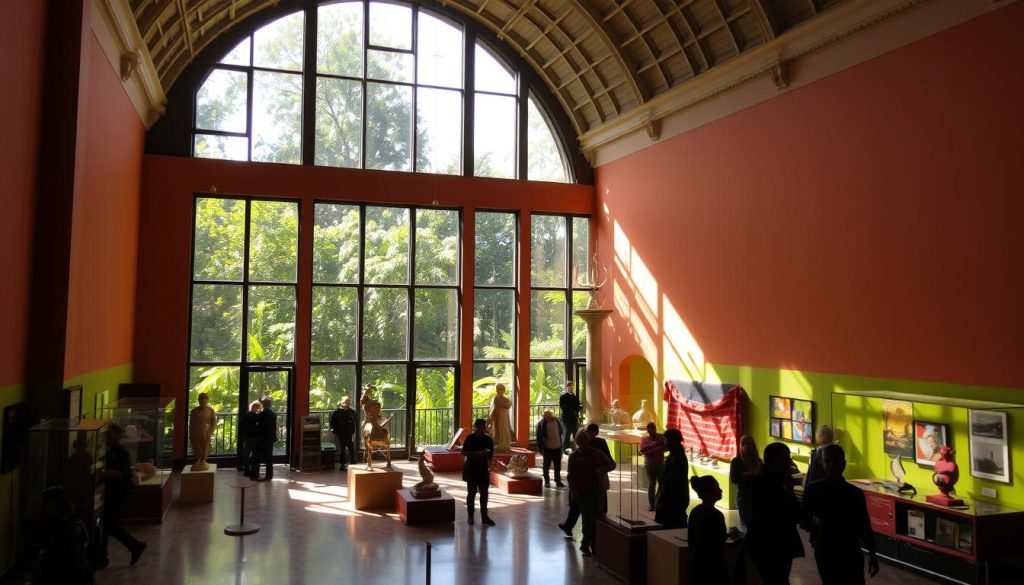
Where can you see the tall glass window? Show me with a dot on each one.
(494, 311)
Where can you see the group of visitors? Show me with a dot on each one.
(258, 430)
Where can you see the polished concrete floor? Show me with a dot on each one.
(310, 534)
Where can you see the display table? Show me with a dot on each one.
(441, 459)
(666, 555)
(149, 501)
(531, 456)
(197, 486)
(413, 510)
(522, 485)
(374, 488)
(622, 549)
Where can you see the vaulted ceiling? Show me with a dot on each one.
(600, 58)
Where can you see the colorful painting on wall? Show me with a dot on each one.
(792, 419)
(898, 427)
(929, 438)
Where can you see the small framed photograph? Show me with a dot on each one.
(915, 523)
(803, 411)
(780, 407)
(929, 438)
(990, 456)
(946, 532)
(898, 427)
(965, 542)
(776, 428)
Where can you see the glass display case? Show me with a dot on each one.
(69, 453)
(148, 425)
(627, 493)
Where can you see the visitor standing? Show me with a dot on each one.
(772, 540)
(674, 490)
(653, 448)
(742, 468)
(267, 429)
(248, 429)
(476, 471)
(343, 426)
(569, 404)
(550, 438)
(706, 535)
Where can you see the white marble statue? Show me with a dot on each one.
(498, 423)
(642, 416)
(201, 422)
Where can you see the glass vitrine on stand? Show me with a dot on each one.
(69, 453)
(624, 530)
(148, 425)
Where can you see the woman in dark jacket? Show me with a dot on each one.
(674, 490)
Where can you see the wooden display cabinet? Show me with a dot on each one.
(969, 544)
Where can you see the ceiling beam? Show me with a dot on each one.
(594, 20)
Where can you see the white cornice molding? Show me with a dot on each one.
(115, 29)
(773, 60)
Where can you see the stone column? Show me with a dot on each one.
(595, 403)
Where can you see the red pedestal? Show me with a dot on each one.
(531, 456)
(623, 551)
(414, 510)
(441, 459)
(526, 485)
(944, 500)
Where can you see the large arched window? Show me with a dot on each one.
(381, 85)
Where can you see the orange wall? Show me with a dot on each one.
(165, 241)
(105, 223)
(871, 223)
(22, 31)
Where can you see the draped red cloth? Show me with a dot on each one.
(712, 427)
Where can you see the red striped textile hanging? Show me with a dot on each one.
(708, 415)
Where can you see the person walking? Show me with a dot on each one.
(117, 484)
(550, 438)
(248, 430)
(772, 540)
(574, 510)
(343, 426)
(653, 448)
(569, 404)
(744, 466)
(588, 471)
(476, 471)
(267, 431)
(674, 490)
(840, 524)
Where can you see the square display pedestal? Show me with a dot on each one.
(373, 488)
(413, 510)
(531, 456)
(441, 459)
(666, 556)
(525, 485)
(623, 550)
(197, 486)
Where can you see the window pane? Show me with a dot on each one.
(438, 52)
(494, 136)
(335, 243)
(390, 25)
(438, 131)
(219, 239)
(390, 383)
(546, 382)
(271, 324)
(493, 318)
(437, 246)
(436, 324)
(547, 251)
(221, 147)
(495, 249)
(276, 117)
(580, 247)
(435, 405)
(385, 324)
(279, 44)
(547, 324)
(216, 323)
(221, 103)
(544, 159)
(389, 66)
(335, 327)
(339, 122)
(339, 41)
(387, 245)
(238, 56)
(388, 127)
(273, 241)
(327, 386)
(580, 300)
(221, 384)
(491, 75)
(485, 377)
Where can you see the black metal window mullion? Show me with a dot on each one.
(309, 66)
(366, 96)
(243, 377)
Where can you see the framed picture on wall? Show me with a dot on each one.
(990, 452)
(73, 403)
(99, 402)
(792, 419)
(898, 427)
(15, 436)
(929, 437)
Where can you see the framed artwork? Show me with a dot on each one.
(898, 427)
(15, 436)
(965, 542)
(929, 437)
(73, 403)
(990, 457)
(792, 419)
(946, 532)
(99, 402)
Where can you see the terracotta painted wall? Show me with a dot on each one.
(105, 223)
(165, 243)
(21, 33)
(867, 224)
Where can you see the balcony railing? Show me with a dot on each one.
(433, 426)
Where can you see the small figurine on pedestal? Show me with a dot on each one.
(945, 477)
(616, 416)
(201, 421)
(643, 416)
(425, 488)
